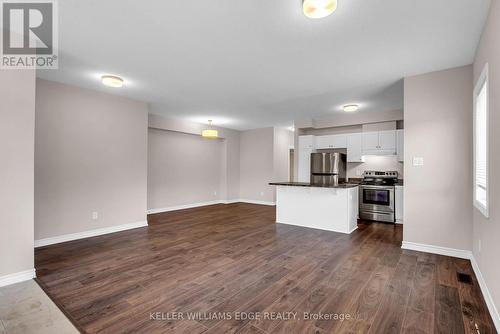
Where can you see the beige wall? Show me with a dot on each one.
(438, 127)
(90, 155)
(17, 126)
(256, 164)
(230, 168)
(249, 160)
(488, 230)
(183, 169)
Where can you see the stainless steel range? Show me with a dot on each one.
(376, 196)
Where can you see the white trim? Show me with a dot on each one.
(486, 294)
(482, 80)
(184, 206)
(320, 229)
(200, 204)
(460, 253)
(88, 234)
(17, 277)
(252, 201)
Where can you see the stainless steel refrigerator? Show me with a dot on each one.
(328, 168)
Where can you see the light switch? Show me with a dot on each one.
(418, 161)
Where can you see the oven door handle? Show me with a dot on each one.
(377, 188)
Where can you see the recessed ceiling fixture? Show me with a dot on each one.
(351, 108)
(112, 81)
(317, 9)
(210, 133)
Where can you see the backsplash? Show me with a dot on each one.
(379, 163)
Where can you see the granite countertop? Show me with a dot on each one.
(305, 184)
(351, 184)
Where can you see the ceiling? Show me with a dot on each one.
(255, 63)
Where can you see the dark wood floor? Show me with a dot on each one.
(234, 258)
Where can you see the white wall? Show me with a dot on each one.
(488, 230)
(283, 141)
(438, 127)
(17, 127)
(382, 163)
(183, 169)
(90, 155)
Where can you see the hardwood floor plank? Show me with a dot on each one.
(391, 311)
(419, 314)
(448, 315)
(235, 259)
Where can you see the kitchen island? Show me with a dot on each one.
(325, 207)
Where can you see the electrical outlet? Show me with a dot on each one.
(95, 215)
(215, 193)
(262, 193)
(418, 161)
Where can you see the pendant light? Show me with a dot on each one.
(210, 133)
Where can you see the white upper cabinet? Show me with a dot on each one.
(331, 141)
(340, 141)
(324, 142)
(400, 145)
(387, 141)
(306, 142)
(379, 143)
(370, 141)
(355, 147)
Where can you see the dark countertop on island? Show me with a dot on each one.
(306, 184)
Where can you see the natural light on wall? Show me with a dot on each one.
(481, 143)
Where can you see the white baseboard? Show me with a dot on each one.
(184, 206)
(488, 298)
(88, 234)
(252, 201)
(200, 204)
(319, 229)
(17, 277)
(460, 253)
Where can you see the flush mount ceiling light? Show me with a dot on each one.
(112, 81)
(317, 9)
(351, 108)
(210, 133)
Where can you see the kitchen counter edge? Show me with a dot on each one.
(305, 184)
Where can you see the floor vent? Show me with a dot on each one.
(464, 278)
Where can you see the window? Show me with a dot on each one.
(481, 194)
